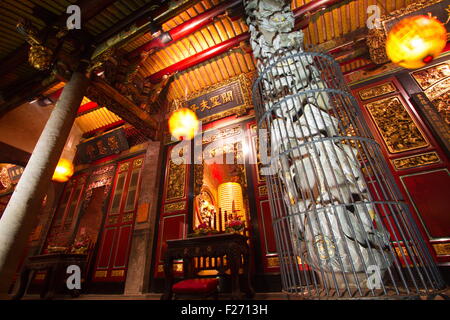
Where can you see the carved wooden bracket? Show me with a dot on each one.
(105, 95)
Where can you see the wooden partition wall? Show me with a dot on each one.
(398, 109)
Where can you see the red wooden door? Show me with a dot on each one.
(112, 258)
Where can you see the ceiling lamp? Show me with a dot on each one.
(63, 171)
(183, 124)
(415, 41)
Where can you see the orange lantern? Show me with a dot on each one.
(63, 171)
(230, 198)
(415, 41)
(183, 124)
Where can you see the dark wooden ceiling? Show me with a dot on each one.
(98, 16)
(328, 29)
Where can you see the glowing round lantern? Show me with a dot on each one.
(183, 124)
(63, 171)
(415, 41)
(230, 198)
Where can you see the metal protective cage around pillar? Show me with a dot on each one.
(342, 228)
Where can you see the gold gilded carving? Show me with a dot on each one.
(273, 262)
(113, 219)
(40, 276)
(376, 41)
(176, 206)
(425, 78)
(176, 181)
(117, 273)
(262, 190)
(127, 217)
(124, 166)
(435, 81)
(377, 91)
(137, 163)
(416, 161)
(245, 80)
(397, 128)
(442, 249)
(221, 134)
(176, 267)
(101, 274)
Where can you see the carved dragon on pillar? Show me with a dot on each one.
(312, 183)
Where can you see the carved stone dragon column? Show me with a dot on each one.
(331, 217)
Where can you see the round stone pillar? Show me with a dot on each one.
(17, 220)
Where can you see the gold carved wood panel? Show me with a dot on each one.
(397, 128)
(416, 161)
(435, 83)
(176, 181)
(377, 91)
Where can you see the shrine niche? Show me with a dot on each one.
(220, 182)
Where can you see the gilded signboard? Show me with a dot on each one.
(108, 144)
(229, 97)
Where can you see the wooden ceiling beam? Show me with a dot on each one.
(89, 8)
(106, 96)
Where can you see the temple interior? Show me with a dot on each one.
(103, 163)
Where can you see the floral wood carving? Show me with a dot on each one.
(176, 182)
(397, 128)
(377, 91)
(416, 161)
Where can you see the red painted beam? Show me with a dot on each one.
(87, 107)
(226, 45)
(314, 6)
(199, 57)
(185, 28)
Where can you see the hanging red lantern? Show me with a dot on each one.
(415, 41)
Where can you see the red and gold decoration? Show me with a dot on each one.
(108, 144)
(415, 41)
(183, 124)
(63, 171)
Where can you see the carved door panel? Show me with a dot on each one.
(114, 248)
(173, 218)
(267, 245)
(66, 216)
(419, 165)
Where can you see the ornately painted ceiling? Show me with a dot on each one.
(332, 28)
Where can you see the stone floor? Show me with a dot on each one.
(444, 295)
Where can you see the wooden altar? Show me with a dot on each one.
(56, 265)
(233, 246)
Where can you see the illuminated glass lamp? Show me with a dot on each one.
(63, 171)
(230, 198)
(183, 124)
(415, 41)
